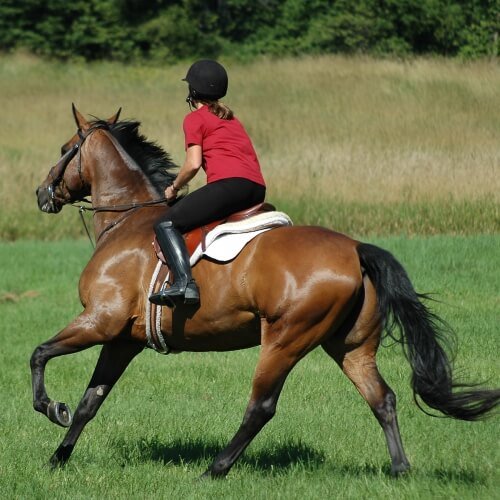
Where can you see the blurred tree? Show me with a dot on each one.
(167, 30)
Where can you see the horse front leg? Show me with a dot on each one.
(57, 412)
(275, 363)
(82, 333)
(260, 410)
(112, 362)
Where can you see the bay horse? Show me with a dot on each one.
(290, 290)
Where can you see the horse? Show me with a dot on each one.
(291, 289)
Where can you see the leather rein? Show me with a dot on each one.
(60, 168)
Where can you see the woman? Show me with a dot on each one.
(217, 142)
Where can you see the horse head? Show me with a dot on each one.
(67, 181)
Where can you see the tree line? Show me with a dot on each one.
(171, 30)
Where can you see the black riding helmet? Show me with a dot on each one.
(207, 80)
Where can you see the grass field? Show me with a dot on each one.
(365, 146)
(388, 149)
(167, 418)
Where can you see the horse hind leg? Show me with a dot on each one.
(355, 353)
(362, 370)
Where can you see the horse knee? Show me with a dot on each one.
(261, 412)
(268, 409)
(90, 403)
(38, 358)
(42, 354)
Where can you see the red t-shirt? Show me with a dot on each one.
(227, 149)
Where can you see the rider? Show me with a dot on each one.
(216, 141)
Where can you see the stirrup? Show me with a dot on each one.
(161, 299)
(173, 295)
(191, 293)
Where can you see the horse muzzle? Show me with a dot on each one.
(47, 202)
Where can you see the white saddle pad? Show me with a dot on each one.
(226, 241)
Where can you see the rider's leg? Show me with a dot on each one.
(174, 249)
(212, 202)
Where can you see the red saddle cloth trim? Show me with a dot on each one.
(196, 236)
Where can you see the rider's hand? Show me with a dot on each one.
(170, 193)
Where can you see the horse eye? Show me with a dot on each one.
(64, 150)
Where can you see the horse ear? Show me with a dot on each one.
(115, 117)
(81, 122)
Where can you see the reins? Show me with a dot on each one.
(127, 208)
(121, 208)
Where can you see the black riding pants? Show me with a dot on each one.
(214, 201)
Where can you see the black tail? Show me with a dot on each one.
(425, 339)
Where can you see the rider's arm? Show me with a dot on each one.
(189, 169)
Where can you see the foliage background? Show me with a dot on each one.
(169, 30)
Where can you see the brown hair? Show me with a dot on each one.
(219, 109)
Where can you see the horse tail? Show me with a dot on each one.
(425, 339)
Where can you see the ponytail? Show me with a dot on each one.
(219, 109)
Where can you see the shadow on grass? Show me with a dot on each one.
(179, 452)
(443, 476)
(279, 457)
(459, 476)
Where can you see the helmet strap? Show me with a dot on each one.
(190, 102)
(190, 99)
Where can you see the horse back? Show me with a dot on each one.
(293, 263)
(281, 275)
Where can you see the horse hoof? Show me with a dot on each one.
(400, 469)
(207, 476)
(59, 413)
(213, 474)
(54, 463)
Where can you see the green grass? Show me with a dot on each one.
(460, 217)
(386, 146)
(167, 418)
(413, 218)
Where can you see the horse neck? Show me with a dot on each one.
(116, 179)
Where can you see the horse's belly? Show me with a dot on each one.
(226, 333)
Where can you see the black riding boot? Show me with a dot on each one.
(174, 249)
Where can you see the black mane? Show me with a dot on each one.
(154, 161)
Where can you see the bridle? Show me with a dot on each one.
(60, 168)
(65, 160)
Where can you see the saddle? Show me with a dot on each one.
(196, 236)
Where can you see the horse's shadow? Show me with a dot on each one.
(180, 452)
(280, 457)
